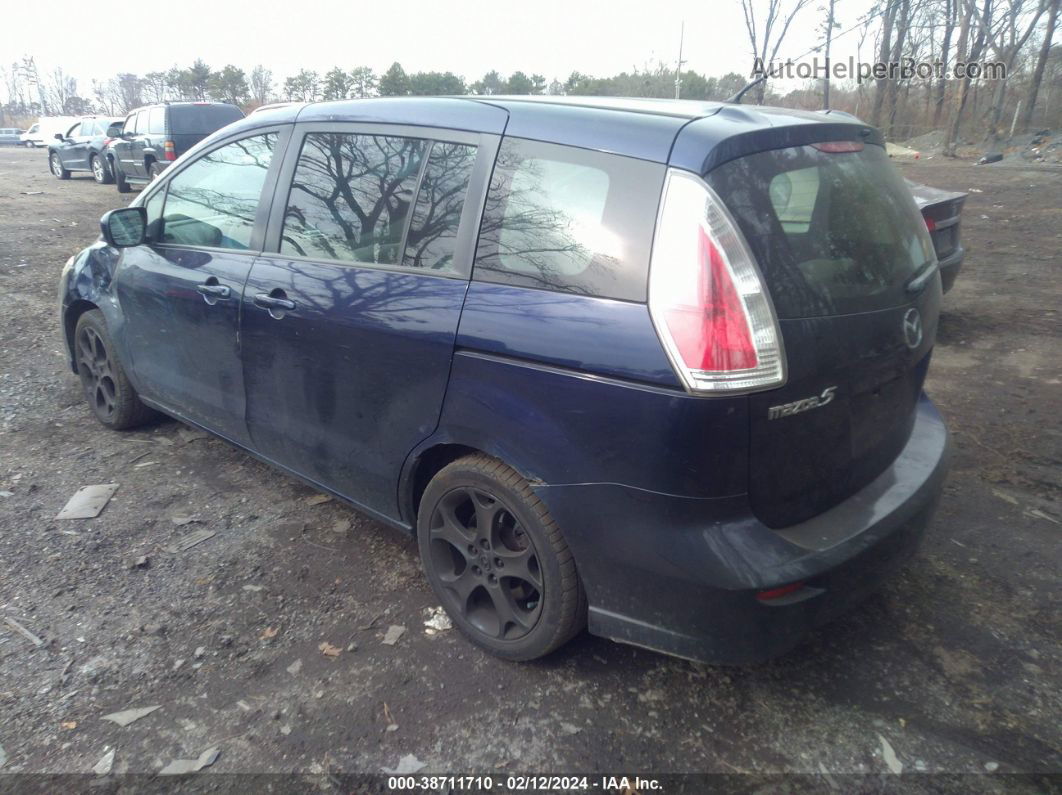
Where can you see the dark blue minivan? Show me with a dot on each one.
(648, 366)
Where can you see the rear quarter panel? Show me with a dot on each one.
(575, 389)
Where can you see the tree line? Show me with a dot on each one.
(1017, 33)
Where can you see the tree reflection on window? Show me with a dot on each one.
(567, 219)
(213, 201)
(437, 213)
(350, 197)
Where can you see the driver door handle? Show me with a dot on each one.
(214, 291)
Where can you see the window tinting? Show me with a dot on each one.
(569, 219)
(213, 201)
(834, 233)
(437, 213)
(202, 119)
(350, 197)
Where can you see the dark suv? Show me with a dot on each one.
(156, 135)
(81, 147)
(656, 366)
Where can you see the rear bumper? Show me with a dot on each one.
(950, 267)
(681, 575)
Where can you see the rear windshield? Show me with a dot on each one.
(834, 232)
(202, 119)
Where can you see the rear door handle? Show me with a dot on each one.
(273, 302)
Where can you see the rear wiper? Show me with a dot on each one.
(921, 276)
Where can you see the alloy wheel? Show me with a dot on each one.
(57, 166)
(486, 563)
(97, 374)
(97, 169)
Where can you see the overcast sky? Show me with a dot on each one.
(550, 37)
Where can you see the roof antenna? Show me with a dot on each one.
(678, 68)
(736, 99)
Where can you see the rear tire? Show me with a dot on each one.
(55, 165)
(119, 178)
(100, 172)
(497, 561)
(107, 390)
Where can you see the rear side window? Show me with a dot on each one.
(833, 232)
(213, 202)
(437, 212)
(351, 196)
(567, 219)
(201, 119)
(157, 121)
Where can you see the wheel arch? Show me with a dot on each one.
(73, 313)
(424, 465)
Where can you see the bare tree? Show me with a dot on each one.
(63, 89)
(1041, 64)
(154, 85)
(261, 85)
(129, 89)
(830, 24)
(951, 14)
(972, 37)
(767, 31)
(1007, 39)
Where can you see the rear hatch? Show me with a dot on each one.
(190, 124)
(852, 275)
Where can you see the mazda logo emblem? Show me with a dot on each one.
(912, 328)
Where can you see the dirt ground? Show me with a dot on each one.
(953, 668)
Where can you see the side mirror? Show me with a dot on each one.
(59, 137)
(125, 227)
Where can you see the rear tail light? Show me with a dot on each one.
(930, 223)
(707, 299)
(169, 152)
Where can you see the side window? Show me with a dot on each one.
(130, 123)
(157, 121)
(350, 197)
(793, 195)
(85, 128)
(567, 219)
(437, 213)
(141, 122)
(214, 200)
(153, 208)
(73, 132)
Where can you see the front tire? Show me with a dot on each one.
(107, 390)
(497, 561)
(55, 165)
